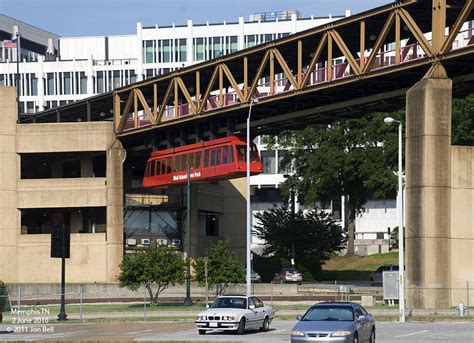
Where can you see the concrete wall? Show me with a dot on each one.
(25, 258)
(462, 224)
(9, 216)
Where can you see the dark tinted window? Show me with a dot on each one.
(225, 155)
(206, 158)
(177, 163)
(197, 160)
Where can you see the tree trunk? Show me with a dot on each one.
(150, 293)
(350, 232)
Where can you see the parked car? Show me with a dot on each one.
(235, 313)
(335, 322)
(255, 277)
(288, 275)
(377, 278)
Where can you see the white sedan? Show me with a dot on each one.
(235, 313)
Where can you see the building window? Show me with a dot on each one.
(283, 169)
(266, 38)
(268, 161)
(180, 50)
(208, 224)
(50, 84)
(62, 165)
(100, 82)
(149, 51)
(199, 49)
(81, 82)
(231, 44)
(67, 83)
(164, 51)
(78, 220)
(250, 40)
(215, 47)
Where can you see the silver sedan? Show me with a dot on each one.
(335, 322)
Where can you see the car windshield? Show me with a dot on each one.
(229, 302)
(322, 313)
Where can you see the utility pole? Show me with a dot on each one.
(292, 219)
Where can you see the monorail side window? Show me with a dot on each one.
(231, 155)
(206, 158)
(254, 153)
(213, 157)
(147, 169)
(218, 156)
(168, 165)
(157, 167)
(225, 155)
(163, 167)
(197, 160)
(240, 153)
(177, 163)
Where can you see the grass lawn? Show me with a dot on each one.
(355, 268)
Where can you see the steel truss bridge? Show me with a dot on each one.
(343, 69)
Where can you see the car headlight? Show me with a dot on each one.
(229, 318)
(201, 317)
(341, 334)
(297, 333)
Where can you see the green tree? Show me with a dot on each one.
(157, 268)
(356, 158)
(223, 267)
(463, 121)
(314, 234)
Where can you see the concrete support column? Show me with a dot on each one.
(428, 194)
(9, 216)
(115, 159)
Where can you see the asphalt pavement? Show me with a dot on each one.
(185, 332)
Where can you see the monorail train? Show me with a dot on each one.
(217, 159)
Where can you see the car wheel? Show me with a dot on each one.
(356, 338)
(266, 325)
(372, 336)
(241, 328)
(202, 332)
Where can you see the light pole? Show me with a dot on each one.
(292, 199)
(401, 261)
(249, 214)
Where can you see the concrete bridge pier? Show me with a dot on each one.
(428, 194)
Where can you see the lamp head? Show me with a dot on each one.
(254, 101)
(389, 120)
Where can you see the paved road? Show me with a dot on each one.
(185, 331)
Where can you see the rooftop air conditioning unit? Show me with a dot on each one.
(176, 242)
(131, 242)
(145, 241)
(161, 241)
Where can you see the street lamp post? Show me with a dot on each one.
(249, 214)
(401, 261)
(292, 208)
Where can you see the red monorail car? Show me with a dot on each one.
(217, 159)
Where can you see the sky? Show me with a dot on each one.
(116, 17)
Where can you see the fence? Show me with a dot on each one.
(24, 303)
